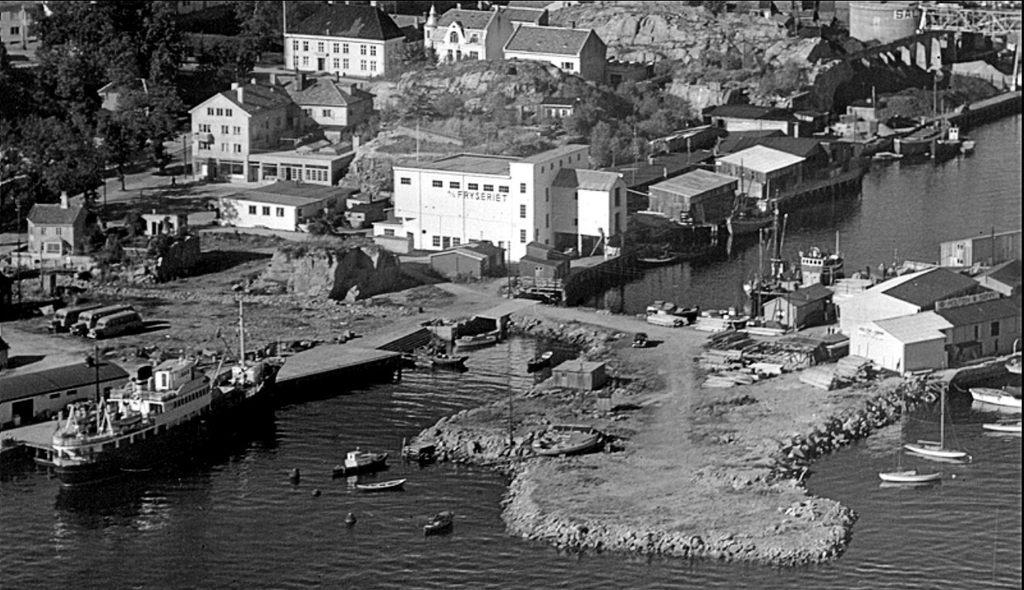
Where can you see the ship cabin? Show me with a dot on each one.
(818, 267)
(171, 384)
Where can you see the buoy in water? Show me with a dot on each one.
(295, 476)
(350, 519)
(316, 493)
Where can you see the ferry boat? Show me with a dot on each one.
(133, 429)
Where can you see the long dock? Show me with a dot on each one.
(339, 360)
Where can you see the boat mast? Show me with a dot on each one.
(942, 419)
(241, 335)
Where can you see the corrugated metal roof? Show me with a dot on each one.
(978, 313)
(63, 378)
(761, 159)
(548, 40)
(695, 182)
(919, 327)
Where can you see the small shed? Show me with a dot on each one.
(543, 266)
(805, 307)
(705, 196)
(171, 224)
(474, 260)
(577, 374)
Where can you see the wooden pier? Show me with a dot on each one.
(340, 363)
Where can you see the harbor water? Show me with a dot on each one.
(232, 518)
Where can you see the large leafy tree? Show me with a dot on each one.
(61, 155)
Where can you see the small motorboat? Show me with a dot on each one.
(383, 486)
(910, 477)
(967, 145)
(475, 341)
(1009, 426)
(640, 340)
(997, 397)
(887, 156)
(357, 462)
(541, 362)
(568, 439)
(441, 523)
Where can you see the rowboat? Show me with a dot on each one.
(568, 439)
(661, 260)
(357, 462)
(886, 156)
(1012, 426)
(441, 523)
(910, 476)
(384, 486)
(429, 360)
(540, 362)
(996, 397)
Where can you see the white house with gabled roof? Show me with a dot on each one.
(579, 51)
(345, 39)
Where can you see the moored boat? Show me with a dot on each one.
(541, 362)
(1010, 426)
(996, 397)
(441, 523)
(357, 462)
(886, 156)
(1013, 364)
(475, 341)
(910, 476)
(427, 359)
(660, 259)
(568, 439)
(383, 486)
(967, 145)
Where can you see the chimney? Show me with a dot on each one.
(273, 79)
(459, 6)
(302, 80)
(240, 93)
(650, 160)
(64, 200)
(234, 85)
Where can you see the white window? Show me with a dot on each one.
(522, 236)
(362, 50)
(328, 113)
(252, 209)
(236, 130)
(335, 48)
(522, 211)
(305, 45)
(373, 66)
(454, 184)
(295, 61)
(344, 47)
(305, 60)
(320, 47)
(53, 247)
(344, 64)
(280, 211)
(389, 232)
(373, 51)
(405, 180)
(228, 112)
(362, 65)
(204, 127)
(522, 187)
(266, 211)
(224, 129)
(474, 54)
(336, 63)
(220, 112)
(295, 44)
(436, 241)
(238, 148)
(437, 184)
(209, 111)
(502, 189)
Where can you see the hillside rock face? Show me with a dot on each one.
(342, 274)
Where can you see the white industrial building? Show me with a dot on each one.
(281, 206)
(903, 344)
(903, 295)
(551, 198)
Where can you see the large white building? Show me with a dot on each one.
(551, 198)
(345, 39)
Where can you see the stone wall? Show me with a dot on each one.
(337, 273)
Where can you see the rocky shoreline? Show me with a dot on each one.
(478, 437)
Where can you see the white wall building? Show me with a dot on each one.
(508, 201)
(281, 206)
(345, 39)
(903, 344)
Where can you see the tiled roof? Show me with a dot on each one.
(1007, 273)
(349, 21)
(761, 159)
(979, 313)
(548, 40)
(803, 147)
(522, 14)
(695, 182)
(928, 286)
(325, 92)
(54, 214)
(594, 180)
(749, 111)
(256, 98)
(469, 19)
(57, 379)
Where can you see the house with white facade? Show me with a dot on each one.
(332, 104)
(281, 206)
(507, 200)
(467, 34)
(579, 51)
(345, 39)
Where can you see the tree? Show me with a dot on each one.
(62, 155)
(260, 23)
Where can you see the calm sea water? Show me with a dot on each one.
(232, 519)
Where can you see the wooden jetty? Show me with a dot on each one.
(33, 441)
(334, 361)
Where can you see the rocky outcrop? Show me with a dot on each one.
(343, 274)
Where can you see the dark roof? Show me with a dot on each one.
(57, 379)
(979, 313)
(325, 92)
(523, 14)
(542, 261)
(805, 147)
(350, 21)
(1007, 273)
(4, 345)
(256, 98)
(469, 19)
(485, 247)
(556, 40)
(660, 167)
(560, 101)
(810, 294)
(54, 214)
(930, 286)
(749, 111)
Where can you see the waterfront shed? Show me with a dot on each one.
(805, 307)
(474, 260)
(991, 248)
(543, 266)
(1003, 278)
(903, 344)
(577, 374)
(37, 395)
(764, 172)
(982, 328)
(705, 196)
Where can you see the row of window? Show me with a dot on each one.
(437, 240)
(336, 64)
(278, 211)
(219, 112)
(326, 113)
(224, 129)
(343, 48)
(473, 186)
(579, 157)
(68, 394)
(43, 230)
(189, 398)
(224, 147)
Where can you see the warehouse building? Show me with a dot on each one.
(763, 172)
(25, 397)
(704, 197)
(903, 344)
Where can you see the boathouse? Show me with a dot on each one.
(543, 267)
(981, 327)
(803, 308)
(706, 197)
(37, 395)
(764, 172)
(1003, 278)
(582, 375)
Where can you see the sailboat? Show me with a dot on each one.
(937, 450)
(907, 476)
